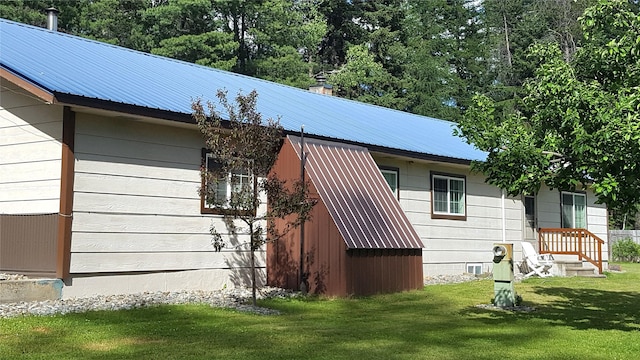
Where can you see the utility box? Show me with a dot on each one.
(504, 292)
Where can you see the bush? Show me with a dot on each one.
(626, 250)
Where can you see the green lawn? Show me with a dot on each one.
(575, 318)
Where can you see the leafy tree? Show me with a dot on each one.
(386, 38)
(343, 30)
(373, 68)
(513, 26)
(114, 21)
(447, 56)
(213, 48)
(286, 41)
(25, 11)
(579, 124)
(240, 141)
(187, 30)
(364, 79)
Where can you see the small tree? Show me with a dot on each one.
(243, 148)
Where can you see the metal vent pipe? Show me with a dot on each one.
(52, 19)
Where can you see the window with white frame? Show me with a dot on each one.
(448, 196)
(474, 268)
(391, 176)
(574, 210)
(220, 192)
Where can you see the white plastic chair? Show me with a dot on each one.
(537, 264)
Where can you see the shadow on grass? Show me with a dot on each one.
(580, 309)
(432, 323)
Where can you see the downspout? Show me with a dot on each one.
(504, 217)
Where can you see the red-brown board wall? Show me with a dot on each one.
(334, 270)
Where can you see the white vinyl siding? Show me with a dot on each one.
(30, 153)
(137, 209)
(450, 245)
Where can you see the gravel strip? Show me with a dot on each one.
(450, 279)
(236, 298)
(456, 279)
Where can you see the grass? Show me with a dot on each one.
(575, 318)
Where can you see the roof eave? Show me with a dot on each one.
(136, 110)
(389, 151)
(77, 100)
(32, 88)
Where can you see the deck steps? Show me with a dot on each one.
(575, 268)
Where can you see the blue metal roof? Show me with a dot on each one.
(65, 64)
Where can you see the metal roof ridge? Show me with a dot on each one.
(160, 57)
(208, 68)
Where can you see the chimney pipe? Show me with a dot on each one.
(52, 19)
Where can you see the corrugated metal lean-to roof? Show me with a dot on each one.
(357, 197)
(80, 70)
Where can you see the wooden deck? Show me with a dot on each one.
(580, 242)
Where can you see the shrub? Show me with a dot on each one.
(626, 250)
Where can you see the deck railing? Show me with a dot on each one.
(579, 242)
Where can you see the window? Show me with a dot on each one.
(448, 197)
(475, 268)
(574, 210)
(391, 176)
(222, 191)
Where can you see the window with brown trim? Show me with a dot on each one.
(218, 194)
(448, 196)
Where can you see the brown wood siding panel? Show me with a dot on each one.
(28, 244)
(357, 197)
(283, 256)
(384, 271)
(334, 270)
(324, 247)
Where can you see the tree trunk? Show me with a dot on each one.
(506, 39)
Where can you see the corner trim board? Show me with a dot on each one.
(65, 216)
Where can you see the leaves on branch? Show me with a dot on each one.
(578, 124)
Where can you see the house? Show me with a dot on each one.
(100, 169)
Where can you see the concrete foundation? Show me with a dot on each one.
(30, 290)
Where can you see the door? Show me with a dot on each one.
(530, 225)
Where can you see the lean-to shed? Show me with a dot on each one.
(359, 241)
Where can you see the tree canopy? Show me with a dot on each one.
(579, 123)
(423, 56)
(566, 88)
